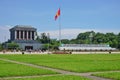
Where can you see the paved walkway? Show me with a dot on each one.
(34, 76)
(62, 72)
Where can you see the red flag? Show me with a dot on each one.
(57, 14)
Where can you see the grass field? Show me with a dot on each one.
(112, 75)
(62, 77)
(10, 69)
(77, 63)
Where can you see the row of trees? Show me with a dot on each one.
(48, 43)
(9, 46)
(99, 38)
(89, 37)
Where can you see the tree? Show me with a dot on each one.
(118, 41)
(99, 38)
(1, 47)
(54, 44)
(47, 42)
(83, 38)
(112, 39)
(43, 38)
(73, 41)
(65, 41)
(12, 45)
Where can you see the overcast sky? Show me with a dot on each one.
(76, 16)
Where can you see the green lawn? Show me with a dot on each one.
(77, 63)
(64, 77)
(11, 69)
(112, 75)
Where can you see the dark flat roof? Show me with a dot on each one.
(23, 27)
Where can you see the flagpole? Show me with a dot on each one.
(60, 28)
(60, 25)
(58, 14)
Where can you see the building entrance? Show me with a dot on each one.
(28, 47)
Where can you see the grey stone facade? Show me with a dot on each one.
(24, 36)
(22, 33)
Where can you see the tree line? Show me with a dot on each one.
(89, 37)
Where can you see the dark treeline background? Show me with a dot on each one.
(89, 37)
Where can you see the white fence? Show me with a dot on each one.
(86, 47)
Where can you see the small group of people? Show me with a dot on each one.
(28, 51)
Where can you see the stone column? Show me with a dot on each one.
(30, 35)
(34, 35)
(27, 34)
(23, 35)
(15, 35)
(19, 34)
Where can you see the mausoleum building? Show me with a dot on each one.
(25, 36)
